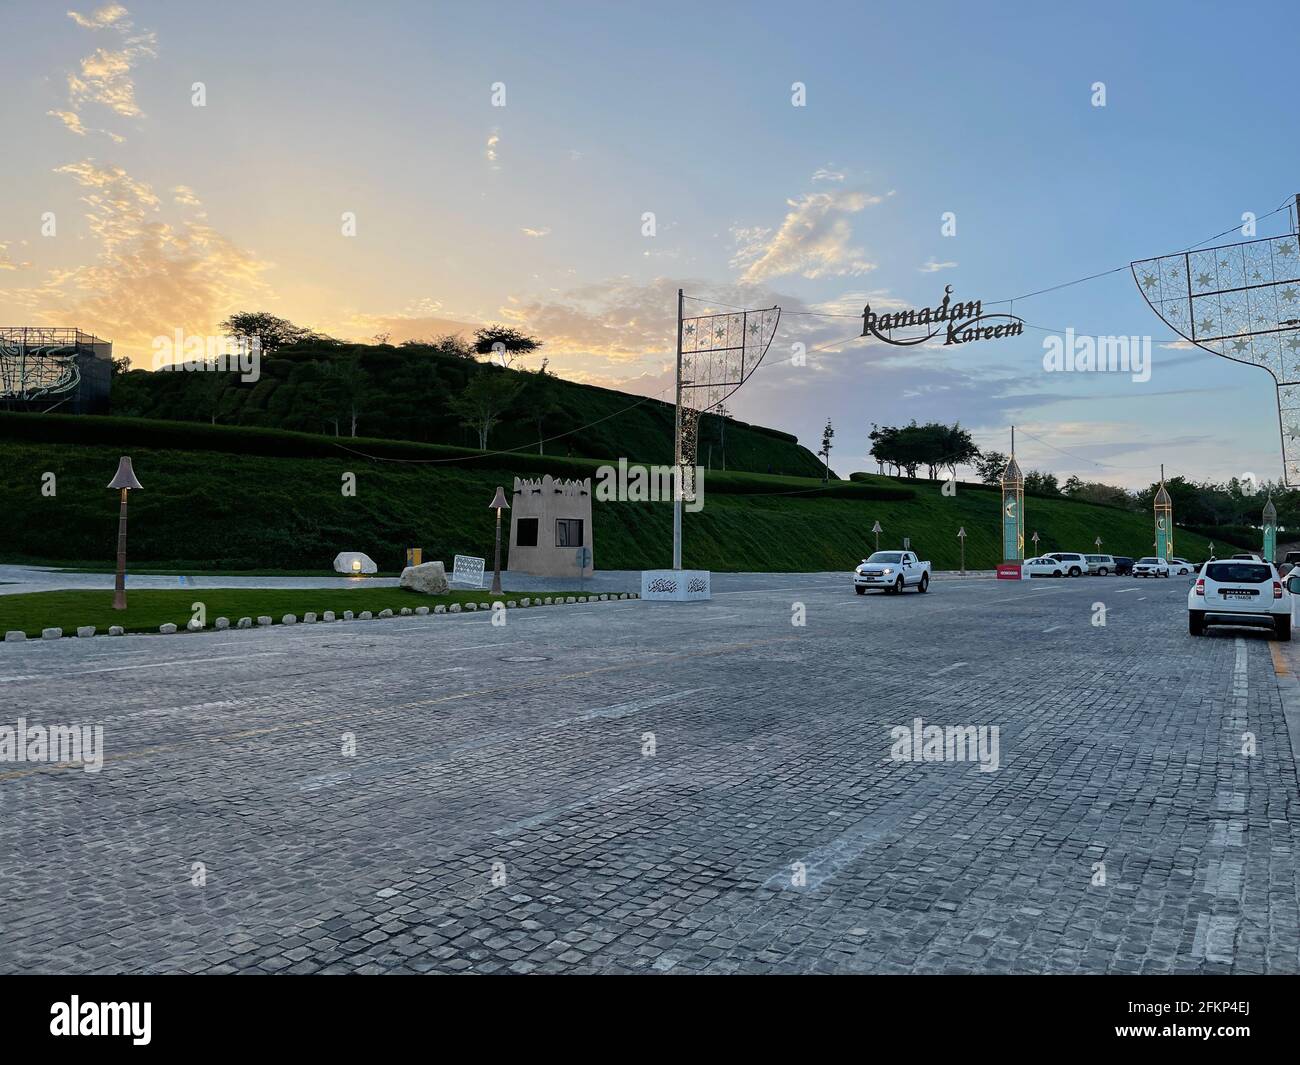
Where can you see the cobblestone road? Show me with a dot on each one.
(769, 830)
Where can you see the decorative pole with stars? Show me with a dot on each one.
(1013, 508)
(1242, 302)
(677, 445)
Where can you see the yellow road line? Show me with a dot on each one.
(1280, 666)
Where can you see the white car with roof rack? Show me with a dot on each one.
(1240, 592)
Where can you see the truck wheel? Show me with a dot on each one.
(924, 586)
(1282, 627)
(1102, 572)
(1075, 571)
(1195, 622)
(898, 586)
(859, 589)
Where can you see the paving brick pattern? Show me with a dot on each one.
(501, 812)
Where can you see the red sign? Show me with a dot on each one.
(1008, 571)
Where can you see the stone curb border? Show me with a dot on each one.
(310, 618)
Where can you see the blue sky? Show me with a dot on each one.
(171, 215)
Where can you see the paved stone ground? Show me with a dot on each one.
(521, 749)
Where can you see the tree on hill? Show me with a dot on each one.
(933, 445)
(270, 331)
(828, 434)
(539, 396)
(347, 390)
(485, 399)
(1042, 484)
(989, 465)
(507, 343)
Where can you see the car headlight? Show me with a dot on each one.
(887, 570)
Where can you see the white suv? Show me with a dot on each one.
(1100, 565)
(1151, 567)
(1239, 592)
(1074, 565)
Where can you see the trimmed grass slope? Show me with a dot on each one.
(254, 500)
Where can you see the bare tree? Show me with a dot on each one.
(486, 398)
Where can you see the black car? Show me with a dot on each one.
(1123, 565)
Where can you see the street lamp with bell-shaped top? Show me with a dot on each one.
(498, 504)
(124, 481)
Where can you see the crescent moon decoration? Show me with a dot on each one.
(719, 353)
(1241, 302)
(31, 371)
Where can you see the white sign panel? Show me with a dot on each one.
(467, 570)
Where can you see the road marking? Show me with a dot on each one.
(1279, 661)
(154, 665)
(1054, 628)
(376, 711)
(1122, 591)
(947, 669)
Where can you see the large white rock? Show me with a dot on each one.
(346, 562)
(428, 577)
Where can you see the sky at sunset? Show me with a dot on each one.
(170, 216)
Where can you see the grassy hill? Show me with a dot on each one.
(405, 396)
(232, 498)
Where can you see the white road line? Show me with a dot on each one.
(948, 669)
(1123, 590)
(198, 659)
(1054, 628)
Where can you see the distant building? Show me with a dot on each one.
(550, 528)
(46, 369)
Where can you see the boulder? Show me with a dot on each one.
(221, 624)
(428, 577)
(289, 619)
(244, 623)
(440, 609)
(14, 635)
(51, 634)
(264, 619)
(365, 615)
(352, 562)
(167, 629)
(85, 630)
(454, 608)
(327, 616)
(309, 618)
(406, 611)
(116, 630)
(420, 611)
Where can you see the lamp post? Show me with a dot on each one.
(961, 535)
(498, 504)
(124, 481)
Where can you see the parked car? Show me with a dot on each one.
(1151, 567)
(1075, 565)
(892, 571)
(1245, 556)
(1240, 592)
(1180, 567)
(1043, 567)
(1100, 565)
(1123, 566)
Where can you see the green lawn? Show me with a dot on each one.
(148, 608)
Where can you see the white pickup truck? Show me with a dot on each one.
(892, 571)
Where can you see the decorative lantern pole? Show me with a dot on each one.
(961, 535)
(877, 530)
(124, 481)
(1164, 511)
(1013, 508)
(1270, 530)
(498, 504)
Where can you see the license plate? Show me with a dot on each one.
(1237, 593)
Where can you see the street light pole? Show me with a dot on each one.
(498, 504)
(677, 444)
(124, 481)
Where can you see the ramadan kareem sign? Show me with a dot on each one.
(959, 322)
